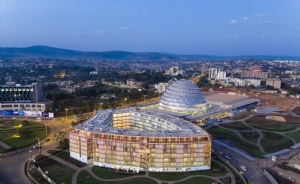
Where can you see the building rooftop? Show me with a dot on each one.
(102, 122)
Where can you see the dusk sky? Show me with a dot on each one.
(212, 27)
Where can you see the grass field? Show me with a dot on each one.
(102, 172)
(272, 142)
(66, 156)
(236, 126)
(81, 179)
(294, 135)
(22, 142)
(57, 172)
(251, 136)
(197, 180)
(250, 148)
(180, 175)
(260, 122)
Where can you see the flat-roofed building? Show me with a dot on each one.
(276, 83)
(255, 74)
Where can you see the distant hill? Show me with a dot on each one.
(57, 53)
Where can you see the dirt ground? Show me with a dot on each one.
(285, 103)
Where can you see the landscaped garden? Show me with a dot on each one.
(236, 126)
(197, 180)
(248, 147)
(20, 134)
(294, 135)
(216, 170)
(273, 142)
(251, 136)
(261, 122)
(66, 156)
(57, 172)
(102, 172)
(85, 178)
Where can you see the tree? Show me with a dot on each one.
(25, 132)
(25, 123)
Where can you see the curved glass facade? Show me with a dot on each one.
(141, 140)
(183, 96)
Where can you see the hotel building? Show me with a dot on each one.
(141, 140)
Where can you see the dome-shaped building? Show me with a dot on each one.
(183, 96)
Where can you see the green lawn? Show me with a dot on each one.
(5, 135)
(172, 176)
(197, 180)
(57, 172)
(260, 122)
(272, 142)
(294, 135)
(251, 136)
(82, 180)
(102, 172)
(66, 156)
(236, 126)
(250, 148)
(22, 142)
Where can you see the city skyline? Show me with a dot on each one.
(179, 27)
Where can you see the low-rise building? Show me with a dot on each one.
(276, 83)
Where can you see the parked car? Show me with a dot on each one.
(228, 157)
(243, 168)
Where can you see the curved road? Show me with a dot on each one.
(12, 165)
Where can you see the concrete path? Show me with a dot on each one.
(3, 145)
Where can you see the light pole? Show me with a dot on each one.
(30, 155)
(66, 113)
(39, 144)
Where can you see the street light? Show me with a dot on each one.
(30, 155)
(39, 144)
(66, 112)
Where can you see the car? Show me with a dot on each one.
(228, 157)
(46, 140)
(218, 120)
(243, 168)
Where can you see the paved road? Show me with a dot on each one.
(12, 166)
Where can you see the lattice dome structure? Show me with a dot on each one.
(183, 96)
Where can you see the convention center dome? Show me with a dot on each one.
(183, 96)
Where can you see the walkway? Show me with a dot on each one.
(3, 145)
(259, 131)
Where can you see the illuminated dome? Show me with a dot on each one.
(183, 96)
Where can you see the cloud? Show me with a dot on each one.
(245, 18)
(239, 20)
(264, 22)
(263, 35)
(233, 22)
(261, 14)
(100, 32)
(76, 35)
(126, 28)
(236, 36)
